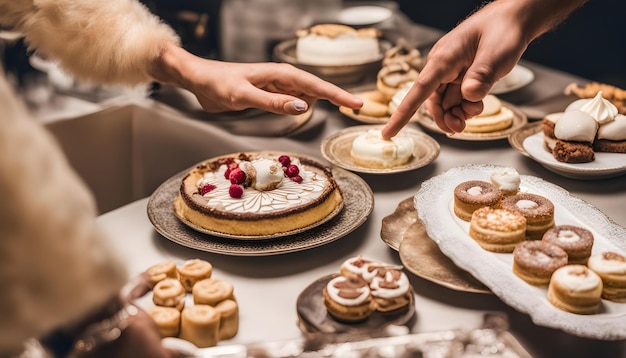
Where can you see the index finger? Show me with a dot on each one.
(425, 84)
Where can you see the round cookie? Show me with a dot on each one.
(575, 240)
(474, 194)
(370, 150)
(576, 289)
(611, 267)
(497, 230)
(535, 261)
(538, 211)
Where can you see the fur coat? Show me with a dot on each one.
(55, 263)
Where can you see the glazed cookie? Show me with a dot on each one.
(611, 267)
(576, 289)
(538, 211)
(575, 240)
(535, 261)
(475, 194)
(391, 290)
(359, 268)
(348, 300)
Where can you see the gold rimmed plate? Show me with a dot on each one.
(358, 205)
(519, 120)
(313, 316)
(336, 149)
(404, 232)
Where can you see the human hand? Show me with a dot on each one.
(462, 67)
(226, 86)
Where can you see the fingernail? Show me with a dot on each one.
(299, 105)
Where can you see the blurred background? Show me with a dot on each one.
(590, 43)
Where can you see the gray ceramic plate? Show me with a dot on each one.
(358, 204)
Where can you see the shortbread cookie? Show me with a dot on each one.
(611, 267)
(576, 289)
(535, 261)
(497, 230)
(475, 194)
(538, 211)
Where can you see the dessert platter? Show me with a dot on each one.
(365, 15)
(337, 53)
(585, 141)
(362, 296)
(271, 203)
(498, 120)
(519, 77)
(404, 232)
(362, 149)
(495, 263)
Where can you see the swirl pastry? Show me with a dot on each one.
(212, 291)
(576, 289)
(535, 261)
(538, 211)
(611, 267)
(391, 290)
(229, 318)
(392, 76)
(575, 240)
(474, 194)
(169, 293)
(348, 299)
(497, 230)
(167, 320)
(193, 271)
(359, 268)
(161, 271)
(200, 325)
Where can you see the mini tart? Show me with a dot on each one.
(535, 261)
(348, 300)
(497, 230)
(611, 267)
(576, 289)
(538, 211)
(472, 195)
(291, 206)
(575, 240)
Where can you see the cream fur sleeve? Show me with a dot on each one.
(104, 41)
(55, 264)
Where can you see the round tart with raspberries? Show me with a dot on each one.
(257, 195)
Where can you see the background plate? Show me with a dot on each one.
(315, 318)
(336, 149)
(529, 141)
(519, 77)
(358, 204)
(434, 203)
(519, 120)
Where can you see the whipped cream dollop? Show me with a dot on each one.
(264, 174)
(614, 130)
(602, 110)
(399, 96)
(577, 126)
(507, 180)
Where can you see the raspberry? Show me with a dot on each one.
(237, 176)
(296, 178)
(206, 188)
(284, 160)
(235, 191)
(233, 165)
(292, 170)
(227, 174)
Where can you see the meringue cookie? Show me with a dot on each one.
(602, 110)
(507, 180)
(614, 130)
(576, 126)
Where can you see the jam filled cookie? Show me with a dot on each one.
(538, 211)
(474, 194)
(535, 261)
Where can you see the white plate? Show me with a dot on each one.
(364, 15)
(434, 204)
(605, 165)
(519, 77)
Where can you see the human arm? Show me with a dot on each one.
(121, 42)
(465, 63)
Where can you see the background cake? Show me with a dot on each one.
(334, 44)
(259, 193)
